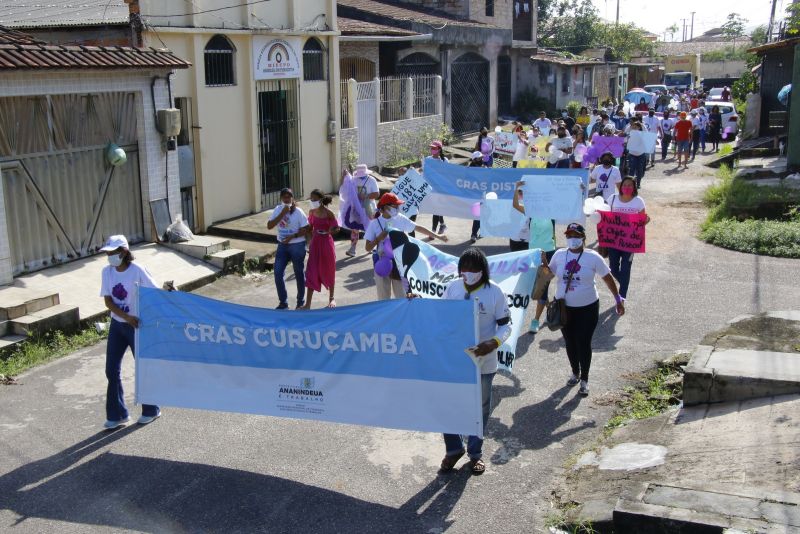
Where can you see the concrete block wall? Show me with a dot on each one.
(503, 10)
(348, 141)
(152, 164)
(410, 137)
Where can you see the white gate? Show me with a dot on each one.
(367, 122)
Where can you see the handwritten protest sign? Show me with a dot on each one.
(622, 231)
(411, 188)
(500, 219)
(505, 143)
(559, 197)
(642, 142)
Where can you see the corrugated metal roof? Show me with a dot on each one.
(49, 13)
(19, 51)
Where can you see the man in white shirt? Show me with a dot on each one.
(292, 228)
(650, 122)
(703, 118)
(543, 123)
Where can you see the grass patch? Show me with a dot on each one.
(659, 390)
(750, 218)
(725, 149)
(36, 351)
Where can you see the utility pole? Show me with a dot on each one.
(617, 20)
(771, 22)
(684, 30)
(691, 34)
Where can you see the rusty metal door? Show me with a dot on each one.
(62, 197)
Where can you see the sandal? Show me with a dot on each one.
(331, 304)
(450, 461)
(477, 466)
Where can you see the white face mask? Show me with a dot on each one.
(574, 242)
(314, 204)
(472, 278)
(287, 204)
(115, 260)
(392, 211)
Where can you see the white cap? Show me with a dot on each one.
(114, 242)
(477, 154)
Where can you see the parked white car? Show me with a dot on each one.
(655, 88)
(714, 95)
(730, 118)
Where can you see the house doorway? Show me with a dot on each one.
(469, 93)
(278, 139)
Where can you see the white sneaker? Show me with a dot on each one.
(584, 389)
(147, 419)
(573, 380)
(351, 251)
(111, 425)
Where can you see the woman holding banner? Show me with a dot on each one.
(436, 153)
(387, 277)
(541, 234)
(358, 194)
(494, 327)
(628, 201)
(575, 269)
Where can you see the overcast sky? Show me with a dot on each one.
(656, 15)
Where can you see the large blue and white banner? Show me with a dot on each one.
(391, 364)
(456, 188)
(429, 271)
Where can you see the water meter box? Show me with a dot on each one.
(169, 121)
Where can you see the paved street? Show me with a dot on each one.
(208, 471)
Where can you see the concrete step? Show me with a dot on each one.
(62, 317)
(201, 247)
(18, 301)
(227, 260)
(725, 375)
(699, 509)
(10, 341)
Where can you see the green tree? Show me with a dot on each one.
(793, 19)
(672, 30)
(568, 25)
(624, 40)
(734, 27)
(759, 35)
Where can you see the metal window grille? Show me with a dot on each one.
(279, 138)
(218, 61)
(424, 96)
(393, 99)
(344, 92)
(418, 64)
(358, 68)
(313, 61)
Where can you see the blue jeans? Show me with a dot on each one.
(296, 252)
(702, 140)
(454, 444)
(621, 263)
(636, 166)
(120, 337)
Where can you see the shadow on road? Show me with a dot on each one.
(157, 495)
(536, 426)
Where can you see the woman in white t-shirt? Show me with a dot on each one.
(521, 151)
(577, 268)
(121, 280)
(559, 149)
(628, 201)
(494, 327)
(378, 242)
(606, 176)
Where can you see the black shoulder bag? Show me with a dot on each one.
(557, 316)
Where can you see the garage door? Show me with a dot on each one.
(62, 197)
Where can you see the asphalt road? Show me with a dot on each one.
(194, 471)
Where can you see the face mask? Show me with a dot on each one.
(115, 260)
(288, 203)
(314, 204)
(627, 190)
(607, 163)
(434, 152)
(564, 114)
(472, 278)
(574, 242)
(391, 211)
(562, 135)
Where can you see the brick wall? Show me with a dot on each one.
(151, 155)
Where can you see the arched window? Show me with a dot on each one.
(418, 64)
(218, 59)
(313, 61)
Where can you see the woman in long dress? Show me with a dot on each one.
(321, 267)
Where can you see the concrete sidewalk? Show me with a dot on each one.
(710, 464)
